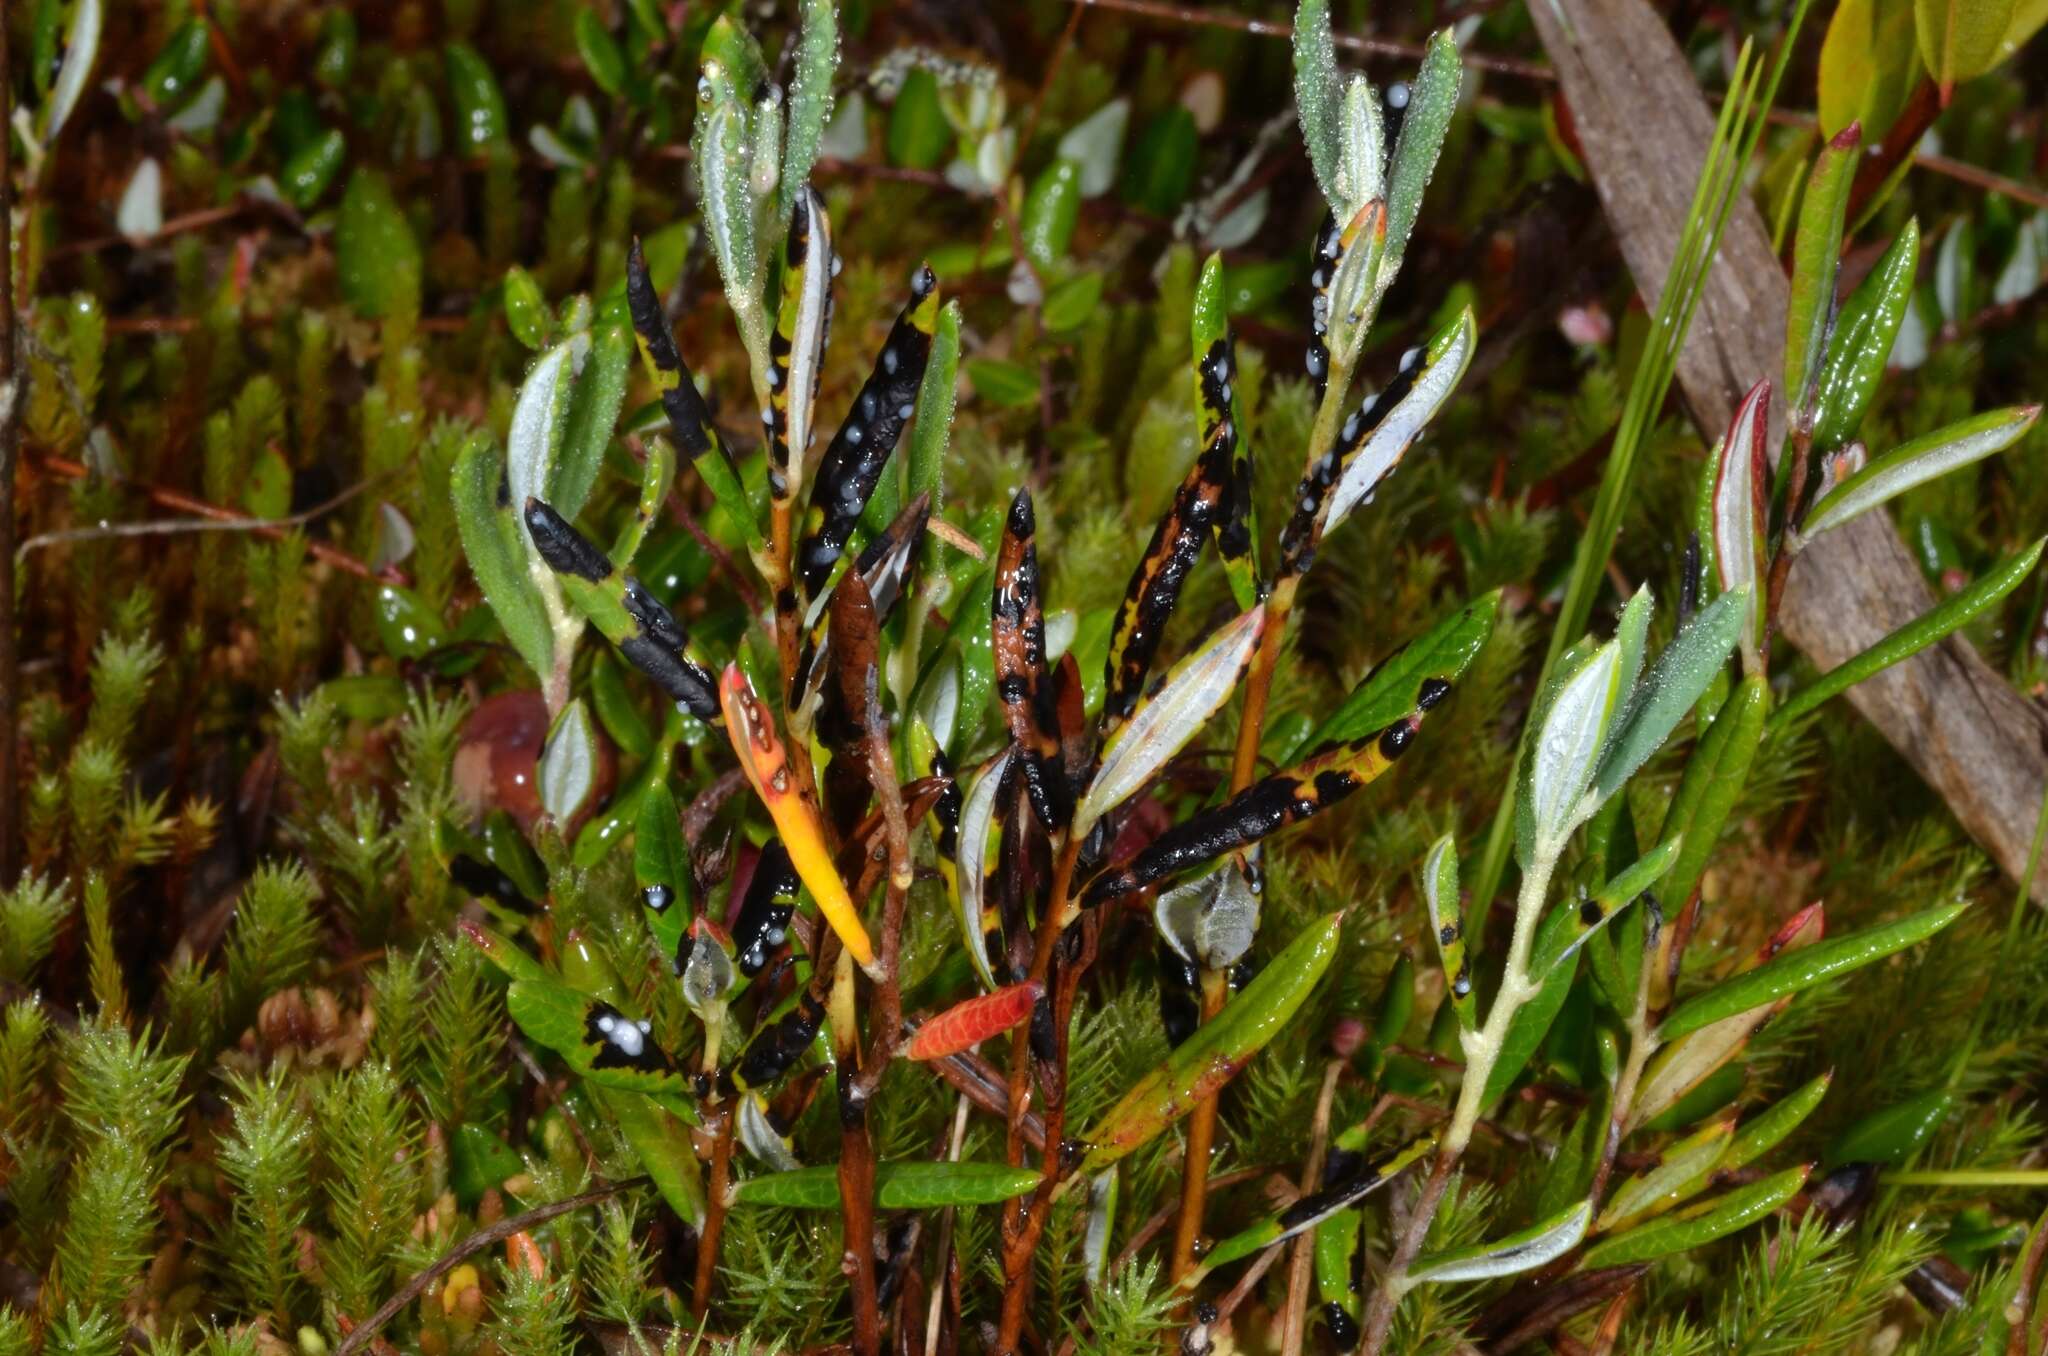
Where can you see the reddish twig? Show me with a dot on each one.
(165, 497)
(360, 1335)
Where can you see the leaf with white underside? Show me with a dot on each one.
(977, 829)
(1163, 724)
(540, 421)
(1317, 95)
(1741, 489)
(1361, 144)
(1567, 750)
(568, 765)
(1510, 1256)
(141, 213)
(1917, 462)
(1674, 683)
(81, 49)
(1096, 144)
(1443, 364)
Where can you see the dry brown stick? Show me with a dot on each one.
(1294, 1319)
(10, 406)
(359, 1336)
(1644, 130)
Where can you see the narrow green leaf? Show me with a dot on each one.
(661, 1140)
(1793, 971)
(312, 168)
(1675, 682)
(594, 401)
(1533, 1247)
(1442, 653)
(600, 52)
(933, 428)
(1895, 1134)
(494, 543)
(1161, 166)
(376, 256)
(1311, 1210)
(661, 867)
(1595, 911)
(1816, 259)
(898, 1186)
(919, 135)
(720, 155)
(1447, 925)
(1712, 782)
(526, 309)
(1664, 1238)
(1317, 94)
(1758, 1135)
(810, 98)
(1218, 1051)
(1432, 100)
(1862, 341)
(501, 952)
(1868, 64)
(657, 478)
(481, 122)
(1938, 622)
(1917, 462)
(1679, 1172)
(1051, 211)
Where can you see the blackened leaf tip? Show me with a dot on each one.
(565, 550)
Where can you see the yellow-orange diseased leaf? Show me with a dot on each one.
(791, 806)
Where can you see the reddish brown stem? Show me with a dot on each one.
(1922, 107)
(714, 1214)
(1194, 1192)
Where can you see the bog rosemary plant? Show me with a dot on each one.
(771, 812)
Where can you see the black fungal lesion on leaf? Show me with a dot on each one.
(1264, 808)
(1302, 537)
(852, 464)
(763, 923)
(1202, 500)
(617, 1041)
(777, 1048)
(1024, 683)
(619, 605)
(689, 419)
